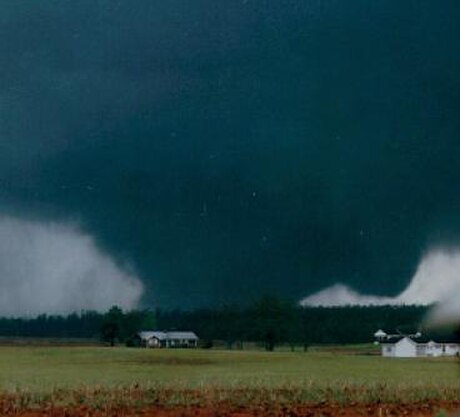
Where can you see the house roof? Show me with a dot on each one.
(146, 335)
(420, 341)
(182, 335)
(397, 339)
(393, 340)
(439, 340)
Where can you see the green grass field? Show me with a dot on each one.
(47, 369)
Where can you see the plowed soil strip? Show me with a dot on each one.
(427, 409)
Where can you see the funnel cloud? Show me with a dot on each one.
(55, 268)
(227, 149)
(437, 280)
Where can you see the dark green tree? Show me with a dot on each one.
(271, 321)
(112, 325)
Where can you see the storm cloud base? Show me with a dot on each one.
(57, 269)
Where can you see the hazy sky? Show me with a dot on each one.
(229, 149)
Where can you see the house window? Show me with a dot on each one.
(388, 349)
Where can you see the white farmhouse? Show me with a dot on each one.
(433, 348)
(157, 339)
(412, 346)
(153, 339)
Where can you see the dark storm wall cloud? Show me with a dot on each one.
(230, 149)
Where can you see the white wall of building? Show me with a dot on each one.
(388, 350)
(408, 348)
(452, 349)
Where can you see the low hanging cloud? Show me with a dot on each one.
(342, 295)
(56, 268)
(443, 271)
(436, 280)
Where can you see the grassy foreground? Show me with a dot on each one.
(141, 376)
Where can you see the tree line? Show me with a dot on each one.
(269, 322)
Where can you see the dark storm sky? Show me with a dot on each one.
(229, 149)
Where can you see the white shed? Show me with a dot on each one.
(405, 347)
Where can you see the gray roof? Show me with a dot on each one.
(419, 341)
(146, 335)
(182, 335)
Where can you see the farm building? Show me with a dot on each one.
(157, 339)
(405, 347)
(412, 346)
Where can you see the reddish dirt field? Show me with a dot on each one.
(318, 410)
